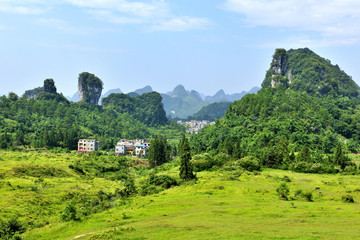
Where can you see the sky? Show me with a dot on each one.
(205, 45)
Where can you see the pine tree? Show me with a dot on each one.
(340, 157)
(159, 152)
(304, 155)
(186, 169)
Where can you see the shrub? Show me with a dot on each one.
(11, 228)
(220, 159)
(246, 163)
(164, 181)
(157, 183)
(298, 192)
(308, 196)
(347, 199)
(201, 164)
(249, 163)
(69, 213)
(283, 191)
(286, 179)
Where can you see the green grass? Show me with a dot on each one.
(217, 206)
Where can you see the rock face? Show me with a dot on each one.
(279, 66)
(89, 88)
(49, 86)
(33, 92)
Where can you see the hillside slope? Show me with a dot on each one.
(220, 205)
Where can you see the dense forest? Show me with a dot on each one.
(306, 102)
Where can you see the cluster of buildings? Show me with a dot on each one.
(195, 126)
(137, 147)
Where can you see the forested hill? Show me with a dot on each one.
(305, 101)
(49, 120)
(304, 70)
(212, 111)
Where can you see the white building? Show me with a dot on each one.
(88, 145)
(138, 146)
(141, 150)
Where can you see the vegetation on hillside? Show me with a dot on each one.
(277, 122)
(51, 121)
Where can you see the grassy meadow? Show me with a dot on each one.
(37, 186)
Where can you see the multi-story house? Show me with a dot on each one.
(88, 145)
(129, 147)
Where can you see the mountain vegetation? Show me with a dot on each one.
(49, 120)
(211, 112)
(292, 110)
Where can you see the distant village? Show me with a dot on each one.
(195, 126)
(137, 147)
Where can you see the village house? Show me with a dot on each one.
(88, 145)
(137, 147)
(195, 126)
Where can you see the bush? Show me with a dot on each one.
(163, 181)
(246, 163)
(205, 161)
(201, 164)
(155, 184)
(220, 159)
(283, 191)
(308, 196)
(347, 199)
(286, 179)
(69, 213)
(249, 163)
(11, 228)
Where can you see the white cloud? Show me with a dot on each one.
(152, 15)
(67, 27)
(140, 9)
(334, 19)
(180, 24)
(21, 7)
(110, 16)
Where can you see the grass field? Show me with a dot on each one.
(219, 205)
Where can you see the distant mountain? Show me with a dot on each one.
(143, 90)
(182, 103)
(116, 90)
(179, 91)
(220, 96)
(74, 98)
(212, 111)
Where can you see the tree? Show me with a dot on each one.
(304, 155)
(186, 168)
(340, 158)
(159, 151)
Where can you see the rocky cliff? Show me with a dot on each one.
(305, 71)
(49, 86)
(279, 66)
(89, 88)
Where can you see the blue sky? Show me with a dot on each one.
(204, 45)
